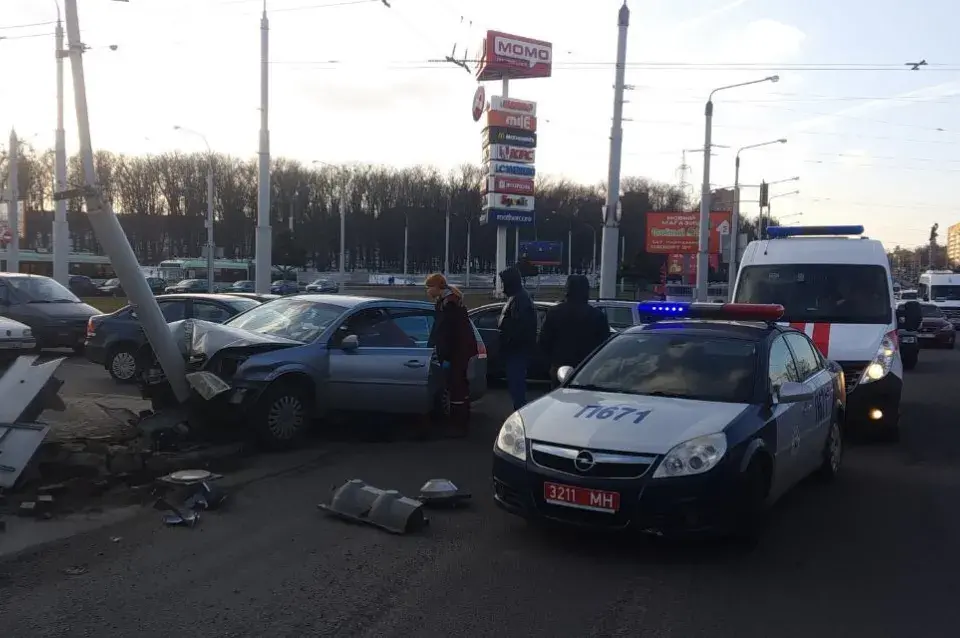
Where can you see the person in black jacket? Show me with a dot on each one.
(573, 328)
(518, 334)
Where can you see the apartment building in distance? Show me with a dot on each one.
(953, 245)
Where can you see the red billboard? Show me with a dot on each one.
(514, 57)
(678, 233)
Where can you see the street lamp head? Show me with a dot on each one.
(176, 127)
(113, 47)
(774, 78)
(782, 140)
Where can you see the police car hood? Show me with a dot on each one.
(651, 425)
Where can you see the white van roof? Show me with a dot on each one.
(816, 250)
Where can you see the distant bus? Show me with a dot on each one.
(224, 270)
(96, 267)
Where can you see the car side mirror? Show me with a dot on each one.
(350, 343)
(793, 392)
(912, 316)
(563, 373)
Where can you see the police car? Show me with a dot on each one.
(693, 423)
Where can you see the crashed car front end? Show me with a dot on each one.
(214, 354)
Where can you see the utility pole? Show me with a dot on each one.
(109, 233)
(446, 241)
(13, 205)
(61, 230)
(264, 246)
(611, 232)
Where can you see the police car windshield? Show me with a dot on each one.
(686, 366)
(820, 293)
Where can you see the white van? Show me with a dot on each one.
(942, 288)
(836, 287)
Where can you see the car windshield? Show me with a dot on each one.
(319, 282)
(297, 319)
(929, 311)
(945, 293)
(192, 282)
(820, 293)
(685, 366)
(42, 290)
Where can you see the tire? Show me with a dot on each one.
(832, 452)
(122, 363)
(910, 360)
(751, 513)
(284, 414)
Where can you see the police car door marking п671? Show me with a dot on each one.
(614, 412)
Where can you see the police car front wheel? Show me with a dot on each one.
(832, 452)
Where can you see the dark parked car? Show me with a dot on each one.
(112, 340)
(935, 329)
(83, 286)
(187, 285)
(325, 286)
(282, 287)
(242, 286)
(485, 318)
(56, 316)
(112, 287)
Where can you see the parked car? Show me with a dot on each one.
(252, 295)
(15, 339)
(83, 286)
(244, 285)
(935, 329)
(56, 316)
(112, 287)
(323, 286)
(284, 287)
(113, 340)
(186, 286)
(294, 359)
(621, 314)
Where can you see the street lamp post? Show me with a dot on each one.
(760, 222)
(735, 217)
(209, 224)
(704, 243)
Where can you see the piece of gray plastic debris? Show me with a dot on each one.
(442, 493)
(387, 509)
(174, 516)
(206, 497)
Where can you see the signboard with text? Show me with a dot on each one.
(678, 233)
(512, 56)
(542, 253)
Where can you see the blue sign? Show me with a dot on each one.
(542, 253)
(509, 168)
(503, 217)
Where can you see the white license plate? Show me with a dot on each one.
(909, 339)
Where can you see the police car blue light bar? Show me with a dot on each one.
(774, 232)
(726, 311)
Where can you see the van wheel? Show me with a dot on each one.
(284, 414)
(122, 364)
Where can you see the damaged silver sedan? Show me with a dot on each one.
(279, 366)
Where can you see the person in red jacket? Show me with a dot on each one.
(453, 339)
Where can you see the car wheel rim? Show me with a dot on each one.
(123, 366)
(285, 417)
(836, 447)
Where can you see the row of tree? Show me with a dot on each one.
(162, 203)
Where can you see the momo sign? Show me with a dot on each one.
(512, 120)
(512, 137)
(503, 217)
(508, 202)
(509, 185)
(507, 153)
(510, 105)
(514, 57)
(507, 168)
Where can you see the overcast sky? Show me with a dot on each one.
(353, 80)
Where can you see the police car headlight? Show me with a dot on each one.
(880, 366)
(512, 438)
(695, 456)
(27, 332)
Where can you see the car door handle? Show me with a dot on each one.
(414, 363)
(807, 408)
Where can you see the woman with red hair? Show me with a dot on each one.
(453, 339)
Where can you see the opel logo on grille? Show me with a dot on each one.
(584, 461)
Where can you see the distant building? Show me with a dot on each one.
(953, 245)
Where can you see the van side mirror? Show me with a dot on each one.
(912, 316)
(350, 343)
(563, 373)
(793, 392)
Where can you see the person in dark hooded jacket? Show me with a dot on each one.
(517, 328)
(573, 328)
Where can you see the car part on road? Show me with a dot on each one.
(387, 509)
(206, 497)
(442, 493)
(173, 516)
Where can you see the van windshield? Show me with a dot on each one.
(945, 293)
(820, 293)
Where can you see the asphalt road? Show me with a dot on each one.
(875, 554)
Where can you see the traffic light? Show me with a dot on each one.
(764, 194)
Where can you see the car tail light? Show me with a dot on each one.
(91, 327)
(481, 349)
